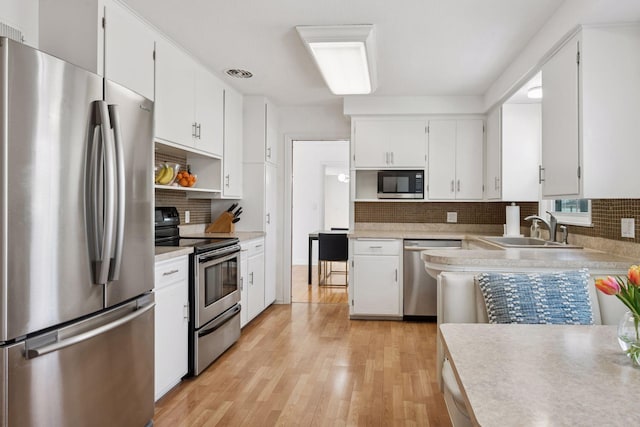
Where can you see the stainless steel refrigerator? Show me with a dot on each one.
(76, 252)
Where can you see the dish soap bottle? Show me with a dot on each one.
(535, 229)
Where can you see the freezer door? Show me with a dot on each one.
(46, 110)
(132, 264)
(99, 372)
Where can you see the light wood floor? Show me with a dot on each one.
(301, 291)
(308, 364)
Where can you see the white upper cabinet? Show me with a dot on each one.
(521, 130)
(232, 159)
(209, 112)
(455, 159)
(389, 143)
(590, 110)
(103, 37)
(175, 101)
(493, 165)
(469, 150)
(128, 50)
(260, 130)
(189, 102)
(442, 159)
(560, 138)
(513, 153)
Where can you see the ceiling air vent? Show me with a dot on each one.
(10, 32)
(239, 74)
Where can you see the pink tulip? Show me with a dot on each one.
(608, 286)
(634, 275)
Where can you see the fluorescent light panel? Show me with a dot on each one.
(344, 66)
(344, 55)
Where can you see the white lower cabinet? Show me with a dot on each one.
(376, 277)
(171, 323)
(252, 294)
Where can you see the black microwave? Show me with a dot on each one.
(401, 184)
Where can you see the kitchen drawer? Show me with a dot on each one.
(377, 247)
(253, 247)
(171, 271)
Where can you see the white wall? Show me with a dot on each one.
(23, 15)
(390, 105)
(325, 122)
(336, 200)
(310, 159)
(570, 14)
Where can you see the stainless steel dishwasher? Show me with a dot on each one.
(420, 290)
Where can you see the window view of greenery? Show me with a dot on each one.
(571, 206)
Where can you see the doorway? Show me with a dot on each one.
(319, 201)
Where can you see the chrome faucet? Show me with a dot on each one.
(552, 224)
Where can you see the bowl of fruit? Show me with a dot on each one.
(165, 173)
(185, 178)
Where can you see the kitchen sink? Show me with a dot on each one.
(526, 242)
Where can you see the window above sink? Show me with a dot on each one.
(569, 211)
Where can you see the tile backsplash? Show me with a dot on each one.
(200, 209)
(606, 214)
(436, 212)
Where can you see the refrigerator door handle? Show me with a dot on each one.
(31, 353)
(108, 194)
(114, 273)
(99, 198)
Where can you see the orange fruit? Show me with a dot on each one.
(184, 182)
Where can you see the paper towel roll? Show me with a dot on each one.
(513, 220)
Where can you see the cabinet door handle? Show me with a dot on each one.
(269, 153)
(452, 184)
(495, 184)
(540, 178)
(396, 275)
(185, 311)
(198, 130)
(227, 178)
(269, 218)
(170, 272)
(251, 278)
(241, 284)
(193, 129)
(375, 247)
(458, 186)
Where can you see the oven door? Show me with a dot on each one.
(216, 284)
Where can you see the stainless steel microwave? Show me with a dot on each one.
(401, 184)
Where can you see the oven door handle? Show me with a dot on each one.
(218, 257)
(217, 323)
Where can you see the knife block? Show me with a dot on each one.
(222, 224)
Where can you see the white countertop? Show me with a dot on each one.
(168, 252)
(495, 258)
(543, 375)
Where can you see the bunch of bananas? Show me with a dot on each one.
(164, 175)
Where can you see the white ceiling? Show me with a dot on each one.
(424, 47)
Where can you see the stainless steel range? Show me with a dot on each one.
(214, 289)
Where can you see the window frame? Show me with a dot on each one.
(580, 219)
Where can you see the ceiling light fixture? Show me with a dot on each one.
(345, 55)
(534, 92)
